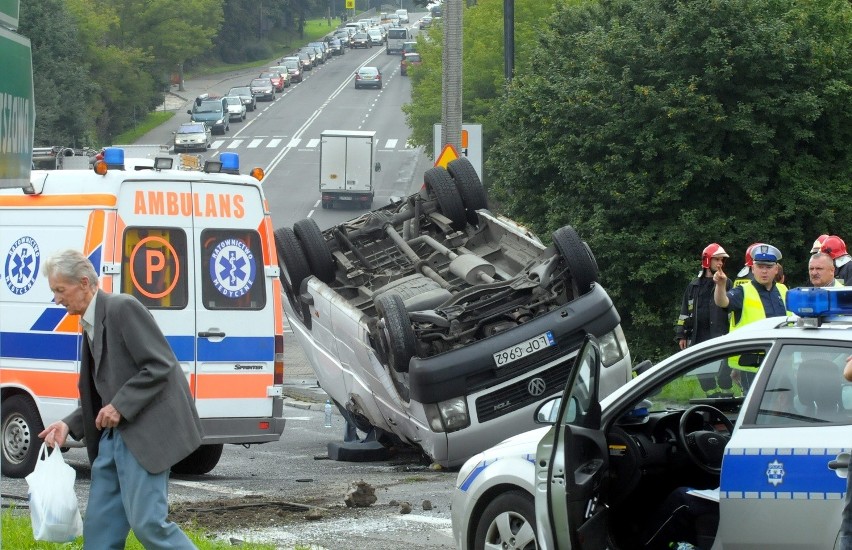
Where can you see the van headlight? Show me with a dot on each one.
(613, 346)
(447, 416)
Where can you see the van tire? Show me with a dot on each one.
(21, 426)
(581, 265)
(200, 461)
(394, 338)
(316, 250)
(440, 184)
(469, 186)
(294, 266)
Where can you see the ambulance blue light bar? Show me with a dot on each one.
(230, 163)
(820, 302)
(114, 157)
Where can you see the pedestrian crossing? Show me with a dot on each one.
(266, 142)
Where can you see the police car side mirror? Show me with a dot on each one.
(548, 412)
(642, 367)
(751, 359)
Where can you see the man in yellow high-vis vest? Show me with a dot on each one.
(758, 299)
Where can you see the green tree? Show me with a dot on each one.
(60, 75)
(482, 65)
(657, 126)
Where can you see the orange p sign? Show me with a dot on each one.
(154, 261)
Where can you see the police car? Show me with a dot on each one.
(776, 458)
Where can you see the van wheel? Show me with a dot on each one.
(200, 461)
(316, 250)
(582, 267)
(441, 185)
(469, 186)
(508, 522)
(294, 266)
(393, 335)
(21, 426)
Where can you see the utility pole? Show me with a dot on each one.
(451, 80)
(509, 39)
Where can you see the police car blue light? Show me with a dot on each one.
(820, 302)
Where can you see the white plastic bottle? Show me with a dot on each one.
(328, 413)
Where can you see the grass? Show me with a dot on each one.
(17, 533)
(151, 121)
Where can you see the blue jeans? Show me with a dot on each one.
(125, 496)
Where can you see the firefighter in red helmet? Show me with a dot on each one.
(836, 248)
(701, 319)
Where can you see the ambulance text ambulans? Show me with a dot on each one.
(195, 246)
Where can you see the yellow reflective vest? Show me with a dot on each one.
(752, 311)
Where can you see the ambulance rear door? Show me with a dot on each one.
(193, 253)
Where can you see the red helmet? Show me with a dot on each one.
(834, 247)
(749, 261)
(712, 250)
(818, 243)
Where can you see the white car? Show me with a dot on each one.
(776, 459)
(434, 323)
(236, 108)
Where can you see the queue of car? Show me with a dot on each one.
(213, 114)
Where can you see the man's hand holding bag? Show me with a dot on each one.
(53, 503)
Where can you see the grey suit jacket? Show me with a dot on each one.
(137, 372)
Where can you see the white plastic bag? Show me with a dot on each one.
(53, 503)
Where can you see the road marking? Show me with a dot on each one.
(391, 143)
(312, 143)
(234, 144)
(216, 144)
(211, 487)
(316, 204)
(311, 213)
(297, 418)
(254, 143)
(443, 522)
(273, 143)
(294, 142)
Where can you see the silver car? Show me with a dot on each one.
(192, 136)
(434, 323)
(263, 88)
(775, 458)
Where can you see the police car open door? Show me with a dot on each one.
(575, 454)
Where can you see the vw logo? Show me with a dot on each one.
(536, 387)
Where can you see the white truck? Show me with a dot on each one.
(346, 167)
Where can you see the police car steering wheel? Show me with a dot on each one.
(705, 446)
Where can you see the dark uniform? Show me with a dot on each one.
(701, 319)
(844, 273)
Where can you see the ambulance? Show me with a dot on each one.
(196, 247)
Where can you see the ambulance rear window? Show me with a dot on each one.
(232, 275)
(153, 267)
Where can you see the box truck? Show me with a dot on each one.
(346, 168)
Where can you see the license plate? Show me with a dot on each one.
(345, 198)
(524, 349)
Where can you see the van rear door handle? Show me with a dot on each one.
(210, 334)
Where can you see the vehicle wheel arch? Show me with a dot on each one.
(485, 499)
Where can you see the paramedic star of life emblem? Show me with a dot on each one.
(775, 473)
(22, 265)
(232, 268)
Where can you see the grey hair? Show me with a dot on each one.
(819, 255)
(73, 265)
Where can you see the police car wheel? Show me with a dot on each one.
(507, 522)
(393, 337)
(21, 426)
(705, 446)
(316, 250)
(582, 269)
(440, 185)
